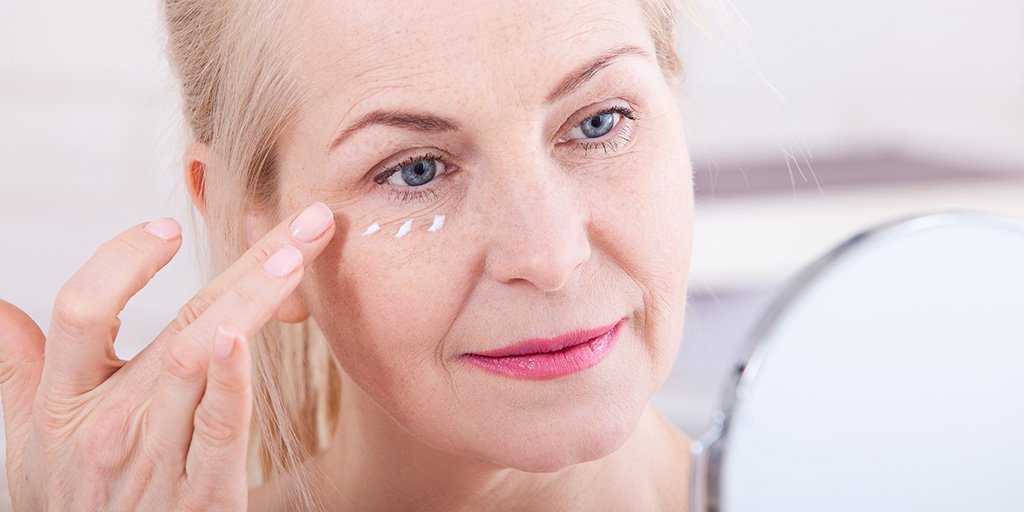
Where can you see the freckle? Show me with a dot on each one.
(373, 228)
(438, 222)
(405, 229)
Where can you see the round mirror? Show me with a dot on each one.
(889, 375)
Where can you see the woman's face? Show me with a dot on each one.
(560, 213)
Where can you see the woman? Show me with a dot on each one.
(458, 236)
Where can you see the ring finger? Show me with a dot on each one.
(242, 309)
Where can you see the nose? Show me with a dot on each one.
(539, 232)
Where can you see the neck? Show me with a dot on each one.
(375, 464)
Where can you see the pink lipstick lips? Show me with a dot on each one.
(549, 358)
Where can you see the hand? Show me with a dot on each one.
(167, 430)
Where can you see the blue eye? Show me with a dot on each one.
(419, 172)
(600, 124)
(415, 171)
(411, 178)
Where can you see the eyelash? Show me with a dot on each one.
(422, 193)
(623, 135)
(403, 196)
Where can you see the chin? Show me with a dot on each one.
(551, 446)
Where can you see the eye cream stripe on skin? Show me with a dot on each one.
(405, 229)
(373, 228)
(438, 223)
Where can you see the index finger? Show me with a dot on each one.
(79, 352)
(308, 230)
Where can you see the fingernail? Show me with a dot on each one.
(223, 343)
(283, 262)
(166, 228)
(312, 222)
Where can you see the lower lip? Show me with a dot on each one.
(550, 365)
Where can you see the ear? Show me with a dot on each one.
(198, 158)
(293, 310)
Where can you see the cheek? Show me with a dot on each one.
(644, 211)
(387, 306)
(643, 221)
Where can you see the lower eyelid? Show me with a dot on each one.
(405, 196)
(624, 132)
(427, 192)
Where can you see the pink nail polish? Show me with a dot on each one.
(166, 228)
(283, 262)
(312, 222)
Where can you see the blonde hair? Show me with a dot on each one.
(239, 95)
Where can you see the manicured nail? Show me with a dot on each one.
(223, 343)
(312, 222)
(283, 262)
(166, 228)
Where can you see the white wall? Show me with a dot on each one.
(944, 79)
(89, 140)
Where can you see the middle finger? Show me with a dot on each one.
(308, 230)
(186, 358)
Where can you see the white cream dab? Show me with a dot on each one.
(438, 222)
(405, 229)
(373, 228)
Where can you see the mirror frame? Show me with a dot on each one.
(707, 452)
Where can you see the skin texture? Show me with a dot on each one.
(541, 237)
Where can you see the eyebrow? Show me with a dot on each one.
(431, 123)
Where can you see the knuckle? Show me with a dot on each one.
(76, 310)
(216, 429)
(189, 312)
(55, 412)
(184, 359)
(231, 383)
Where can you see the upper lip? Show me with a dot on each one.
(540, 345)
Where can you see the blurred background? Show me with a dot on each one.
(808, 122)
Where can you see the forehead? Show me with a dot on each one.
(513, 50)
